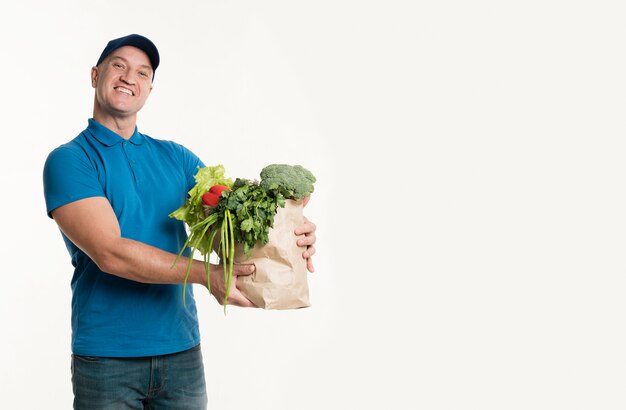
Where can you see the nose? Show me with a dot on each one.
(127, 78)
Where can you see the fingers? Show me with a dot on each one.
(309, 265)
(308, 240)
(306, 200)
(236, 298)
(243, 269)
(307, 228)
(310, 251)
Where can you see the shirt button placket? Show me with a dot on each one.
(127, 146)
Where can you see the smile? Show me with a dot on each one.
(124, 90)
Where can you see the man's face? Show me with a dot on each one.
(123, 82)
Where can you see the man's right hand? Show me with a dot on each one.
(218, 287)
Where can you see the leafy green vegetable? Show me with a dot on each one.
(244, 214)
(253, 209)
(192, 211)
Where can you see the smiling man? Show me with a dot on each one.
(135, 345)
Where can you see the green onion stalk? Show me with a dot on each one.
(201, 237)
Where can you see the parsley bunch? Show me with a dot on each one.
(252, 208)
(244, 212)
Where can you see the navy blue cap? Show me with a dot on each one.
(134, 40)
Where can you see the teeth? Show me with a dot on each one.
(124, 90)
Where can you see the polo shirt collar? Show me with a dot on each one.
(110, 138)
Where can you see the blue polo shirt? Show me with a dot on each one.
(144, 179)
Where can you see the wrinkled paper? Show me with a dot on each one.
(280, 278)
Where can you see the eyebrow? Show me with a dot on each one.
(113, 57)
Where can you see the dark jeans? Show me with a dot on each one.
(174, 381)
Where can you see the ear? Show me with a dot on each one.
(94, 76)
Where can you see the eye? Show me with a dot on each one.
(118, 65)
(143, 74)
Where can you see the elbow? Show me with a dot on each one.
(106, 265)
(107, 261)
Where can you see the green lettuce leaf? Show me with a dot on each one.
(192, 211)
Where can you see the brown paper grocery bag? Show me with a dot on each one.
(280, 279)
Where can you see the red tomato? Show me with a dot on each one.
(218, 189)
(210, 199)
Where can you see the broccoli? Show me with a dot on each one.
(292, 181)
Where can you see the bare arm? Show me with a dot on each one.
(92, 225)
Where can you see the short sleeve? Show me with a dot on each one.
(69, 176)
(191, 163)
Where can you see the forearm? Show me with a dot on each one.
(144, 263)
(140, 262)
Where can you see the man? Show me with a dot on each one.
(110, 190)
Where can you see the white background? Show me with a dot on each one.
(470, 200)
